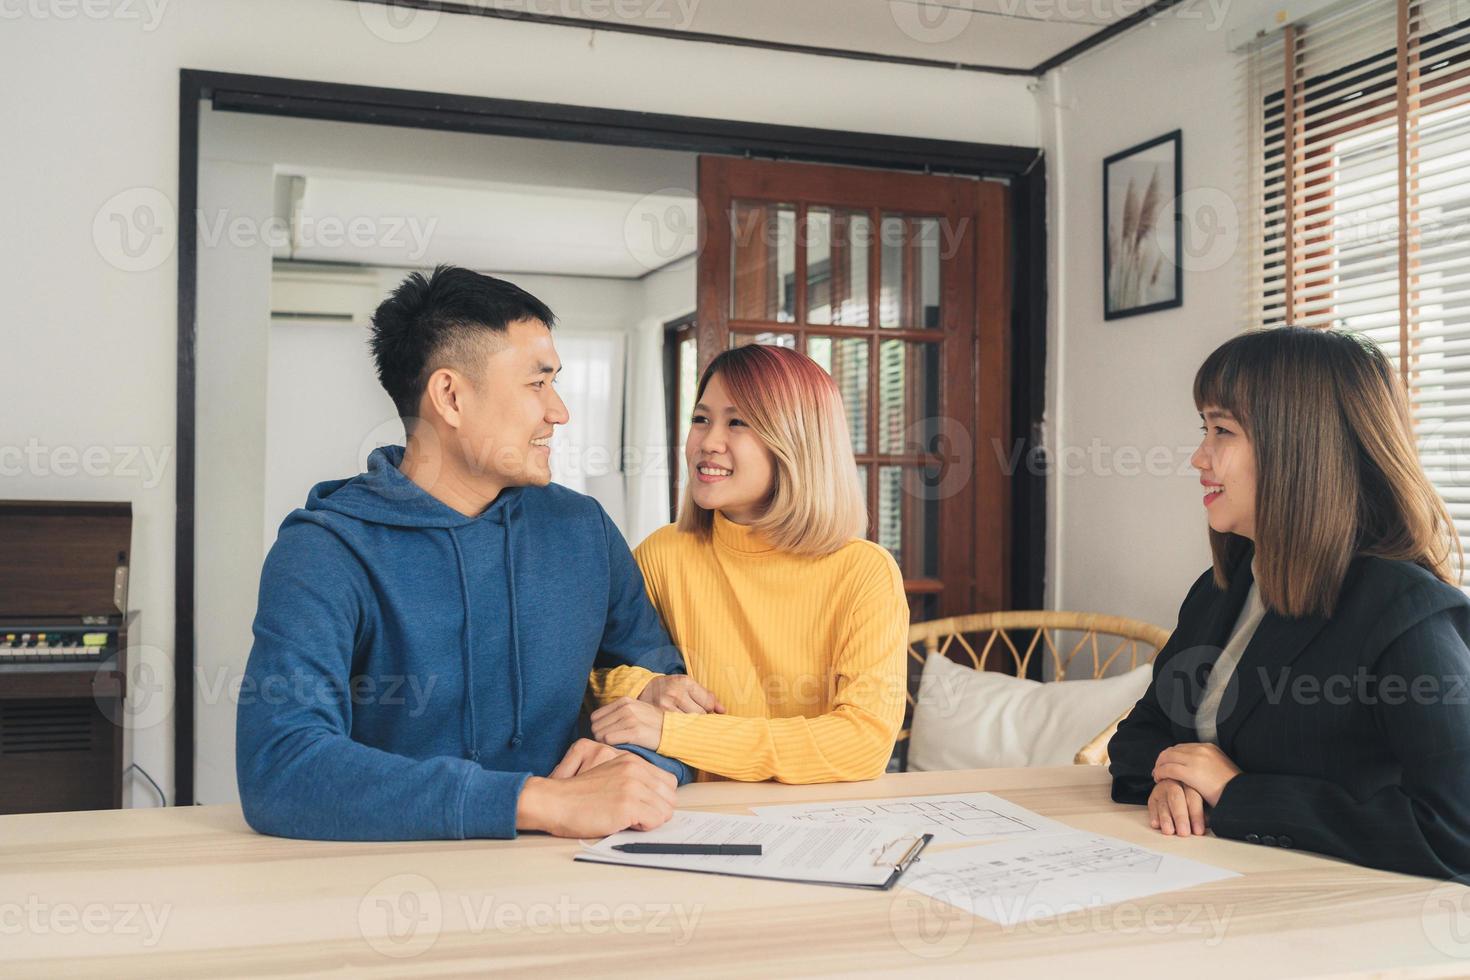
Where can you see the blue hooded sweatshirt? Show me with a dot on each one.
(413, 667)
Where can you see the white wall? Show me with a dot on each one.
(667, 294)
(1125, 537)
(98, 137)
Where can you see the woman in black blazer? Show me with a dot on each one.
(1339, 716)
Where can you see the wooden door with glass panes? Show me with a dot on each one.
(896, 284)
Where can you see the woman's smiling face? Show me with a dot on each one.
(1227, 470)
(730, 469)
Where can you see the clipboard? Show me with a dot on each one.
(916, 847)
(853, 860)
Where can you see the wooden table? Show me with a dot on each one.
(193, 891)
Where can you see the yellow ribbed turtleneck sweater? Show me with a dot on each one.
(806, 654)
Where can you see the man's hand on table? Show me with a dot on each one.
(594, 791)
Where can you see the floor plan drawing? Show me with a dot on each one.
(964, 818)
(1031, 878)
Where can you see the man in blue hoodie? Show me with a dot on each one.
(425, 630)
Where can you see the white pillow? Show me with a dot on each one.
(979, 719)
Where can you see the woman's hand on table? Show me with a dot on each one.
(1176, 810)
(1199, 766)
(583, 755)
(680, 692)
(628, 722)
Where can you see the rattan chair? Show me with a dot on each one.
(993, 637)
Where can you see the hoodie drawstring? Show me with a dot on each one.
(473, 752)
(506, 517)
(512, 508)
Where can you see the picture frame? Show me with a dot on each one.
(1142, 228)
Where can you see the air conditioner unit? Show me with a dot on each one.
(315, 293)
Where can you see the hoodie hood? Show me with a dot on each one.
(384, 495)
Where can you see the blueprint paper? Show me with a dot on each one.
(965, 818)
(1039, 876)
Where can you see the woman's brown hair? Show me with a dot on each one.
(1337, 474)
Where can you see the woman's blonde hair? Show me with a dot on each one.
(1337, 474)
(815, 505)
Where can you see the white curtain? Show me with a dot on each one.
(587, 450)
(646, 470)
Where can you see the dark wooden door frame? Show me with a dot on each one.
(676, 331)
(336, 102)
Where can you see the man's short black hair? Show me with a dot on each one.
(441, 320)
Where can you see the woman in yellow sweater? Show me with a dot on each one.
(792, 625)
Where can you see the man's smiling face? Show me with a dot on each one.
(510, 409)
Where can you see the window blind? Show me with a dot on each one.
(1360, 116)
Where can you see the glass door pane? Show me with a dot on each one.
(763, 262)
(908, 520)
(908, 394)
(909, 285)
(837, 244)
(846, 359)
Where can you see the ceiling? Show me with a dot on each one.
(501, 227)
(997, 35)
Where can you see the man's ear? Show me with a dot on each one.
(443, 394)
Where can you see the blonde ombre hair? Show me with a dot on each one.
(816, 504)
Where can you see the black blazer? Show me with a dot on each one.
(1352, 734)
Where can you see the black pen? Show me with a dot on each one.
(722, 849)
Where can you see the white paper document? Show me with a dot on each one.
(1020, 880)
(951, 818)
(863, 854)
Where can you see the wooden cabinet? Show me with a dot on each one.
(63, 654)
